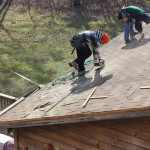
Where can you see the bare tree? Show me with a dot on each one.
(4, 9)
(77, 3)
(1, 2)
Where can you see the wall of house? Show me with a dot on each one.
(124, 134)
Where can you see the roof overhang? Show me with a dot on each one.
(145, 112)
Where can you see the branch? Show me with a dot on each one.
(6, 8)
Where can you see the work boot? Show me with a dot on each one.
(74, 64)
(82, 72)
(142, 34)
(127, 41)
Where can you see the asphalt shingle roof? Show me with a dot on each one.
(127, 69)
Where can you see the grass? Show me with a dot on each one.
(35, 45)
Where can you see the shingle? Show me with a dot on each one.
(127, 69)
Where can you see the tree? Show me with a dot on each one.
(4, 9)
(1, 2)
(77, 3)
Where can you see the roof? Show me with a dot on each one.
(126, 71)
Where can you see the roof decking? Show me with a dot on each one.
(127, 69)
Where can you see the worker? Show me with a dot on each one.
(80, 42)
(139, 15)
(129, 23)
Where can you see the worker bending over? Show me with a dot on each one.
(80, 42)
(138, 14)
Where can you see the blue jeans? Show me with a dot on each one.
(128, 29)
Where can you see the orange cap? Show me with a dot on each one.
(105, 38)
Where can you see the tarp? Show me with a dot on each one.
(9, 145)
(6, 142)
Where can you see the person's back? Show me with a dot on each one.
(87, 32)
(134, 11)
(93, 37)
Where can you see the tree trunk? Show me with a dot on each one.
(1, 2)
(77, 3)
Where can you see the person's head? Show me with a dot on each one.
(119, 16)
(119, 9)
(105, 38)
(119, 13)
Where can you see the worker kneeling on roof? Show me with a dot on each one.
(80, 42)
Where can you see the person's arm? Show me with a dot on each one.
(124, 17)
(96, 53)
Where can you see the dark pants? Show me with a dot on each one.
(146, 19)
(138, 22)
(82, 54)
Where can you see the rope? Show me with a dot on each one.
(63, 78)
(23, 77)
(59, 80)
(60, 68)
(89, 62)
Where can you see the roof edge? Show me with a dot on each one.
(12, 105)
(78, 118)
(20, 100)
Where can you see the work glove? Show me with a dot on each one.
(101, 63)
